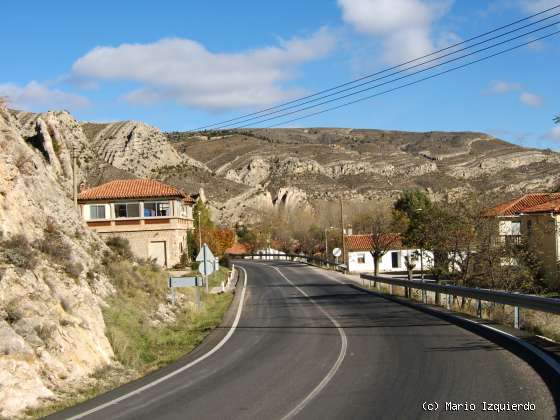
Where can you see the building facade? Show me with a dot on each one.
(534, 217)
(360, 259)
(154, 217)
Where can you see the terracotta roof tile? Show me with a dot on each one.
(552, 206)
(132, 188)
(237, 249)
(521, 204)
(365, 242)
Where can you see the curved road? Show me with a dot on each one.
(308, 346)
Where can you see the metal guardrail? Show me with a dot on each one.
(316, 261)
(517, 300)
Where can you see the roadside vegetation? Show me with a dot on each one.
(459, 231)
(146, 332)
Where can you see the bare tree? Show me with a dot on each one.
(383, 235)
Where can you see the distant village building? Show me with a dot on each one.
(537, 218)
(153, 216)
(360, 260)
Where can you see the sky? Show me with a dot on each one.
(179, 65)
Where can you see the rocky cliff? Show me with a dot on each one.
(51, 294)
(266, 166)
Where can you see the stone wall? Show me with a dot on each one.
(175, 242)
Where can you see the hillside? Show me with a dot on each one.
(51, 291)
(310, 165)
(244, 170)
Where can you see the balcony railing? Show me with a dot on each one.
(511, 240)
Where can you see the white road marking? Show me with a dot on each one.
(334, 368)
(181, 369)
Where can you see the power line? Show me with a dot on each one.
(414, 82)
(260, 121)
(378, 72)
(238, 123)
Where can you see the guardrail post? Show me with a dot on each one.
(390, 289)
(449, 301)
(516, 317)
(424, 296)
(479, 308)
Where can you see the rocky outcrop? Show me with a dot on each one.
(135, 147)
(51, 325)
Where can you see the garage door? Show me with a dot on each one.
(156, 251)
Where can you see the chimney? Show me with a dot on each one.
(83, 186)
(349, 230)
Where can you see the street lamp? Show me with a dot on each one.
(327, 243)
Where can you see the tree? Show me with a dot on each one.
(557, 119)
(383, 235)
(203, 227)
(220, 239)
(411, 212)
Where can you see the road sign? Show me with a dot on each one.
(337, 252)
(185, 281)
(205, 254)
(206, 268)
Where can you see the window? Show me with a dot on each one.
(157, 209)
(97, 211)
(127, 210)
(395, 259)
(361, 258)
(516, 228)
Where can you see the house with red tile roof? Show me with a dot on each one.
(360, 259)
(153, 216)
(535, 217)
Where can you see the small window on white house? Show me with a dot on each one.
(361, 258)
(127, 210)
(97, 211)
(160, 208)
(395, 259)
(516, 228)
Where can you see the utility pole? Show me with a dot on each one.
(199, 232)
(74, 180)
(342, 232)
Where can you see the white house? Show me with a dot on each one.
(360, 260)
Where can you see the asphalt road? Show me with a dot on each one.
(310, 347)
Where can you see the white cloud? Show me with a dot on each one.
(535, 6)
(553, 134)
(185, 71)
(404, 26)
(37, 97)
(499, 87)
(530, 99)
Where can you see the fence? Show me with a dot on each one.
(516, 300)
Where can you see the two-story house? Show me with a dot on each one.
(536, 217)
(153, 216)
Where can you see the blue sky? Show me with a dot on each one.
(183, 64)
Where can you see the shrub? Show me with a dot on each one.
(121, 247)
(73, 269)
(18, 251)
(53, 245)
(225, 261)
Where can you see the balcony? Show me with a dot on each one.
(511, 240)
(140, 224)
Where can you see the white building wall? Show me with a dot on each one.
(386, 263)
